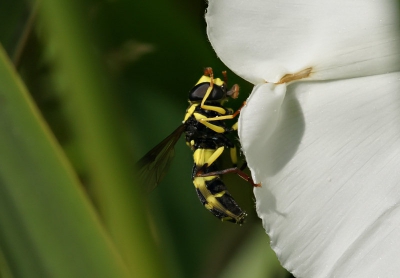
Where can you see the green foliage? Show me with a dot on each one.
(92, 86)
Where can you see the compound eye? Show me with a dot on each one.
(199, 91)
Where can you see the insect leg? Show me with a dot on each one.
(234, 158)
(227, 117)
(214, 156)
(203, 120)
(233, 92)
(200, 155)
(220, 110)
(235, 170)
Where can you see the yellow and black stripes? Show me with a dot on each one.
(219, 201)
(208, 135)
(211, 191)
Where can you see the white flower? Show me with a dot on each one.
(321, 129)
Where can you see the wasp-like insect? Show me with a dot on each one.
(206, 134)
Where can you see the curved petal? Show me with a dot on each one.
(261, 121)
(330, 175)
(264, 40)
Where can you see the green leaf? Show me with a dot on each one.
(97, 126)
(47, 225)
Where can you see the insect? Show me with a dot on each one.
(206, 133)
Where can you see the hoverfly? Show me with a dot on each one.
(206, 133)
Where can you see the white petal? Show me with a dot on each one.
(265, 116)
(264, 40)
(330, 178)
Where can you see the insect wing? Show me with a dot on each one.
(153, 166)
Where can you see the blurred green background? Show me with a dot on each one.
(119, 72)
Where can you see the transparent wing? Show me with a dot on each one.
(153, 166)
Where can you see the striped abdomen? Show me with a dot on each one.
(212, 191)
